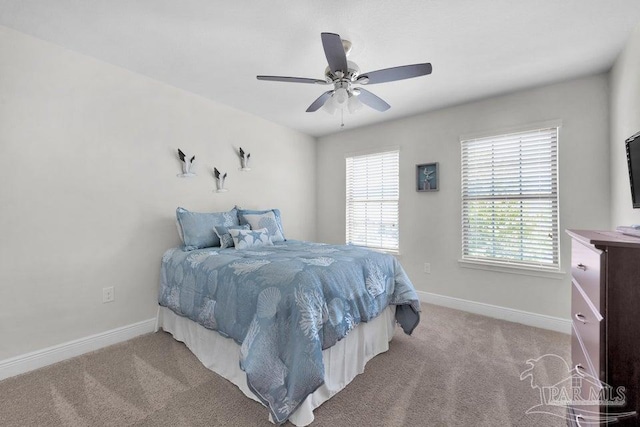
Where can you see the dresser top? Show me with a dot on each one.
(605, 238)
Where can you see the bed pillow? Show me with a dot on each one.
(243, 239)
(179, 231)
(222, 231)
(197, 228)
(269, 219)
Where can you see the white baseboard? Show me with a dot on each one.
(509, 314)
(40, 358)
(47, 356)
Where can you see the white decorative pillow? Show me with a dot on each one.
(269, 219)
(243, 239)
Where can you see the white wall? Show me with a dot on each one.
(430, 222)
(625, 121)
(89, 190)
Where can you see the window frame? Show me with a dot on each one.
(348, 202)
(514, 266)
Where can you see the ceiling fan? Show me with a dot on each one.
(344, 74)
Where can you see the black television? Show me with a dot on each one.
(633, 161)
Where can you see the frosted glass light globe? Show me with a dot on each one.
(341, 95)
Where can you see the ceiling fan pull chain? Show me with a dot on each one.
(342, 117)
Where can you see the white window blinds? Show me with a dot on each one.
(372, 200)
(510, 199)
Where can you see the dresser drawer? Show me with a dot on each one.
(579, 360)
(586, 268)
(587, 325)
(585, 384)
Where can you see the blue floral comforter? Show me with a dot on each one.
(284, 304)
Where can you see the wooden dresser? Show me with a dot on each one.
(605, 341)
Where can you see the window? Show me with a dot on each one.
(510, 199)
(372, 200)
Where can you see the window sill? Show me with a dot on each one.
(501, 268)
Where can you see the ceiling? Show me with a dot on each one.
(478, 48)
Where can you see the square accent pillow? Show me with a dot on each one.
(269, 219)
(197, 228)
(226, 241)
(243, 239)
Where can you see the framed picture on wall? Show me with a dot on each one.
(427, 177)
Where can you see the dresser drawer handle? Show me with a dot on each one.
(582, 267)
(581, 318)
(580, 369)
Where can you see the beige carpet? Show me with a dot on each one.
(458, 369)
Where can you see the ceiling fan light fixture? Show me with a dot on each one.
(354, 104)
(330, 106)
(341, 95)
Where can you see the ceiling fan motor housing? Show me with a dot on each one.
(350, 76)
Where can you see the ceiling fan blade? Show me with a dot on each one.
(291, 79)
(373, 101)
(334, 52)
(319, 102)
(397, 73)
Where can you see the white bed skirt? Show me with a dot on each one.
(342, 362)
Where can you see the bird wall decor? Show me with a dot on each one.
(244, 160)
(186, 165)
(219, 180)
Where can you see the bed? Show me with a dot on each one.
(290, 324)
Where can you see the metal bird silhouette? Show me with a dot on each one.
(219, 179)
(244, 159)
(186, 164)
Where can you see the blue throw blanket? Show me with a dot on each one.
(284, 304)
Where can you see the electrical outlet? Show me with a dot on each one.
(108, 294)
(427, 268)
